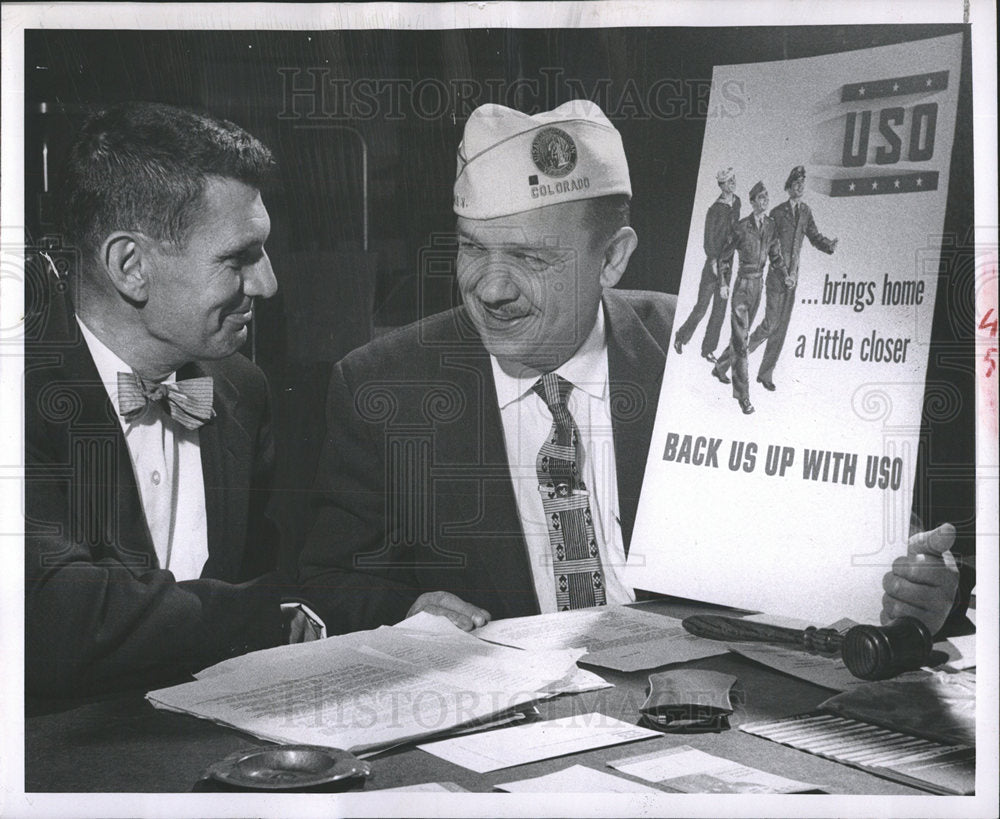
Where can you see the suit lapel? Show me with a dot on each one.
(635, 372)
(103, 480)
(223, 442)
(507, 566)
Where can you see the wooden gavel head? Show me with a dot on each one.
(869, 652)
(881, 652)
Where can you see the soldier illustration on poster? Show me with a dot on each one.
(793, 221)
(713, 290)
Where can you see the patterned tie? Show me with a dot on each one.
(189, 401)
(576, 561)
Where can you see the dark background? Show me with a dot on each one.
(398, 140)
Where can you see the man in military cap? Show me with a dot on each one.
(755, 240)
(793, 221)
(713, 289)
(486, 461)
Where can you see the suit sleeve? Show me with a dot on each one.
(99, 614)
(346, 569)
(818, 240)
(716, 229)
(774, 254)
(728, 249)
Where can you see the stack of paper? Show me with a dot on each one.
(618, 637)
(369, 689)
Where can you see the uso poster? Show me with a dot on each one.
(800, 507)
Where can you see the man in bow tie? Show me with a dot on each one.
(148, 442)
(486, 461)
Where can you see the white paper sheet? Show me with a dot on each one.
(421, 623)
(427, 787)
(576, 779)
(370, 690)
(617, 637)
(508, 747)
(428, 623)
(689, 770)
(578, 682)
(961, 651)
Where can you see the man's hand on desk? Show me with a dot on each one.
(923, 584)
(462, 614)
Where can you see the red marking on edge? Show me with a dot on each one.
(987, 356)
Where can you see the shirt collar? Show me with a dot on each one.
(586, 370)
(108, 363)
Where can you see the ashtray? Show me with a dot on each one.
(286, 767)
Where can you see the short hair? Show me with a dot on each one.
(144, 166)
(605, 215)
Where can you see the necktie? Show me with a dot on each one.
(576, 561)
(189, 401)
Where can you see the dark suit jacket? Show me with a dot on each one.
(792, 231)
(413, 489)
(99, 612)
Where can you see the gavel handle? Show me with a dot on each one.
(869, 652)
(734, 629)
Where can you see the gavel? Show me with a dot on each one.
(869, 652)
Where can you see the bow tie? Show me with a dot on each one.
(189, 401)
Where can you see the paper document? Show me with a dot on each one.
(369, 689)
(578, 682)
(429, 623)
(576, 779)
(961, 651)
(508, 747)
(427, 787)
(422, 623)
(689, 770)
(617, 637)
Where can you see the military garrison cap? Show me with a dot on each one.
(798, 172)
(510, 162)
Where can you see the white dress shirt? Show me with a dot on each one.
(527, 423)
(166, 462)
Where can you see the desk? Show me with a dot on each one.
(122, 744)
